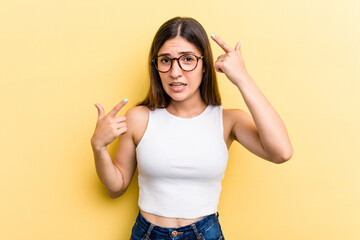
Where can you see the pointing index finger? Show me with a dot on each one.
(221, 43)
(117, 108)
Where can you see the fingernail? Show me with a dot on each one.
(240, 44)
(95, 105)
(125, 100)
(212, 35)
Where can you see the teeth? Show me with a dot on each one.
(177, 84)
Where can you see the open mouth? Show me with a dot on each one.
(177, 84)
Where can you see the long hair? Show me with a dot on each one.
(193, 32)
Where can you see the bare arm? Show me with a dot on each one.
(109, 175)
(266, 134)
(125, 156)
(272, 133)
(114, 175)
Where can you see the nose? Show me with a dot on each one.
(175, 70)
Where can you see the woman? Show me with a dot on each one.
(179, 135)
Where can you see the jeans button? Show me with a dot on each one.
(174, 233)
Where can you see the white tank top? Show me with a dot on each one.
(181, 163)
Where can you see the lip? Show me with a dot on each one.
(176, 83)
(177, 88)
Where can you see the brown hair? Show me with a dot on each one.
(192, 31)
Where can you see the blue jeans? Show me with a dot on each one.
(207, 228)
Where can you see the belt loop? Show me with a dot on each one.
(199, 236)
(147, 236)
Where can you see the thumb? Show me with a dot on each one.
(238, 45)
(100, 110)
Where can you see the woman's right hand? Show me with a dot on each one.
(108, 127)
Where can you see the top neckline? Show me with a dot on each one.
(187, 119)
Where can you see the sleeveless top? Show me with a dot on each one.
(181, 163)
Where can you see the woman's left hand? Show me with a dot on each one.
(231, 63)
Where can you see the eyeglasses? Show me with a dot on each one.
(187, 62)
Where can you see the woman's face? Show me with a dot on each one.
(187, 83)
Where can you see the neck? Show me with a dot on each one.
(186, 109)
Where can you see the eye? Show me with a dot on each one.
(189, 58)
(164, 60)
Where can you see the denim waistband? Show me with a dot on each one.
(188, 230)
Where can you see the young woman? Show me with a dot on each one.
(179, 136)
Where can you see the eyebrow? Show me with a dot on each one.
(181, 53)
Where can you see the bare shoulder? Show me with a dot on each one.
(136, 120)
(137, 113)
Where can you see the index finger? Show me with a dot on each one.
(222, 44)
(117, 108)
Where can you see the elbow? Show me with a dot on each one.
(286, 156)
(281, 160)
(115, 189)
(114, 195)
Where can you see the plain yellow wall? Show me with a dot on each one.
(57, 58)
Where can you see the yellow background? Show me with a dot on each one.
(57, 58)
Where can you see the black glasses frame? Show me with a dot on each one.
(154, 61)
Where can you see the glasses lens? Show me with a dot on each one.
(188, 62)
(163, 63)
